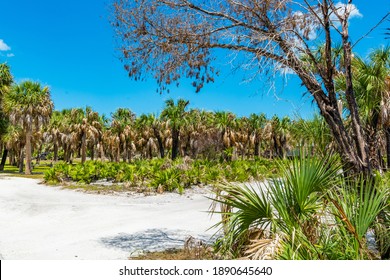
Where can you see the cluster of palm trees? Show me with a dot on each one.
(84, 133)
(29, 125)
(26, 108)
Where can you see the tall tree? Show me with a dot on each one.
(371, 79)
(224, 122)
(29, 105)
(86, 128)
(256, 128)
(5, 83)
(174, 114)
(158, 128)
(269, 35)
(122, 126)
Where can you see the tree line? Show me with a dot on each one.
(29, 124)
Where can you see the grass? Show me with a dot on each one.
(37, 172)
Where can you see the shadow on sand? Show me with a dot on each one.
(150, 240)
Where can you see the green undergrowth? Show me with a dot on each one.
(162, 174)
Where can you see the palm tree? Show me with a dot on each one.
(175, 117)
(280, 135)
(256, 127)
(224, 122)
(29, 105)
(5, 83)
(313, 135)
(90, 132)
(15, 140)
(53, 132)
(103, 120)
(158, 130)
(85, 131)
(122, 127)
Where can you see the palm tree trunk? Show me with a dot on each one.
(175, 143)
(256, 148)
(38, 159)
(124, 155)
(160, 142)
(101, 149)
(118, 153)
(83, 148)
(12, 160)
(3, 159)
(129, 154)
(21, 160)
(93, 152)
(28, 152)
(387, 132)
(55, 151)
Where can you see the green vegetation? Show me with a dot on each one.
(316, 206)
(38, 170)
(311, 212)
(162, 175)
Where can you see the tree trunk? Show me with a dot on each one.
(129, 154)
(257, 146)
(93, 152)
(3, 159)
(21, 160)
(124, 155)
(28, 152)
(160, 142)
(67, 153)
(38, 159)
(83, 148)
(55, 151)
(175, 143)
(387, 132)
(101, 149)
(12, 160)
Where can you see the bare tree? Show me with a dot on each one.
(174, 39)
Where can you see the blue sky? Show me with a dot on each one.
(69, 46)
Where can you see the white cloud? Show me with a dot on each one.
(351, 8)
(10, 55)
(4, 46)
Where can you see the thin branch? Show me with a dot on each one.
(372, 29)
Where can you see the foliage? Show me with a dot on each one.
(311, 212)
(154, 41)
(167, 174)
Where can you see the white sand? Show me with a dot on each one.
(43, 222)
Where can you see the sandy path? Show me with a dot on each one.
(41, 222)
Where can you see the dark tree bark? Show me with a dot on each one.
(3, 159)
(387, 133)
(257, 148)
(175, 143)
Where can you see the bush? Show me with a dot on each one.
(171, 175)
